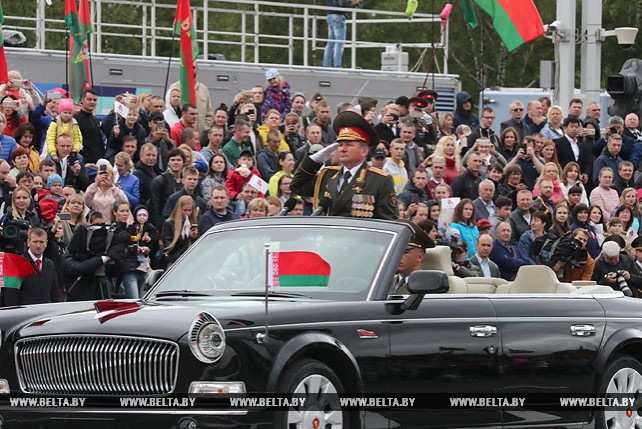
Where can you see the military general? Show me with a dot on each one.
(354, 188)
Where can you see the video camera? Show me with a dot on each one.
(13, 235)
(626, 89)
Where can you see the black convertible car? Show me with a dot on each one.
(303, 306)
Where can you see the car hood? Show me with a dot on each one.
(168, 320)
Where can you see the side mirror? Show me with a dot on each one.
(152, 277)
(420, 283)
(427, 282)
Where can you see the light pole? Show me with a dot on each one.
(591, 36)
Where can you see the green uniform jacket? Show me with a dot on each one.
(370, 194)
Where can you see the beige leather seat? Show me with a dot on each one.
(595, 290)
(536, 279)
(483, 284)
(438, 258)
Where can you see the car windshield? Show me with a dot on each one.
(321, 262)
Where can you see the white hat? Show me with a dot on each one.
(271, 74)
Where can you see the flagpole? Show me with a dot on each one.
(169, 62)
(67, 61)
(91, 64)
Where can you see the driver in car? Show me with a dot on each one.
(412, 259)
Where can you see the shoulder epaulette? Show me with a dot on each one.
(333, 167)
(378, 171)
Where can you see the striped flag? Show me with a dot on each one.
(516, 21)
(4, 76)
(294, 269)
(79, 26)
(184, 27)
(14, 269)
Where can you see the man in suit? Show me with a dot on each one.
(355, 188)
(412, 258)
(42, 287)
(571, 148)
(505, 254)
(481, 258)
(516, 110)
(68, 166)
(484, 205)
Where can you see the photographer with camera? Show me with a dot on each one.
(583, 264)
(615, 127)
(16, 223)
(90, 261)
(462, 267)
(616, 270)
(387, 126)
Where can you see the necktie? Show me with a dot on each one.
(38, 265)
(346, 180)
(401, 283)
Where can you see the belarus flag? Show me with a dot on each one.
(297, 269)
(14, 268)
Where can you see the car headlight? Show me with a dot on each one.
(206, 338)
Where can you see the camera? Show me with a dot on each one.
(613, 130)
(160, 126)
(626, 36)
(73, 157)
(17, 82)
(622, 284)
(13, 234)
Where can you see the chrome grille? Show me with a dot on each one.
(96, 365)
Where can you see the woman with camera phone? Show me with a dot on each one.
(103, 193)
(180, 230)
(15, 111)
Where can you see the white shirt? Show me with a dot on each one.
(353, 172)
(35, 258)
(574, 147)
(63, 168)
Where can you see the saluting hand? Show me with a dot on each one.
(325, 154)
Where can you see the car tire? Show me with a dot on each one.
(319, 385)
(622, 375)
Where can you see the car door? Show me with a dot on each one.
(549, 346)
(450, 344)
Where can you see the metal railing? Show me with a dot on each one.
(253, 37)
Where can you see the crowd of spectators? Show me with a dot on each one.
(117, 197)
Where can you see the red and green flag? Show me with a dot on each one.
(184, 27)
(79, 25)
(292, 269)
(13, 270)
(4, 76)
(516, 21)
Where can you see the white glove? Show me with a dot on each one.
(325, 154)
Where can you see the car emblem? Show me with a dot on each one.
(366, 334)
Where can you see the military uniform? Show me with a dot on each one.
(419, 240)
(370, 194)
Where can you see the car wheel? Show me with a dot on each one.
(319, 385)
(623, 376)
